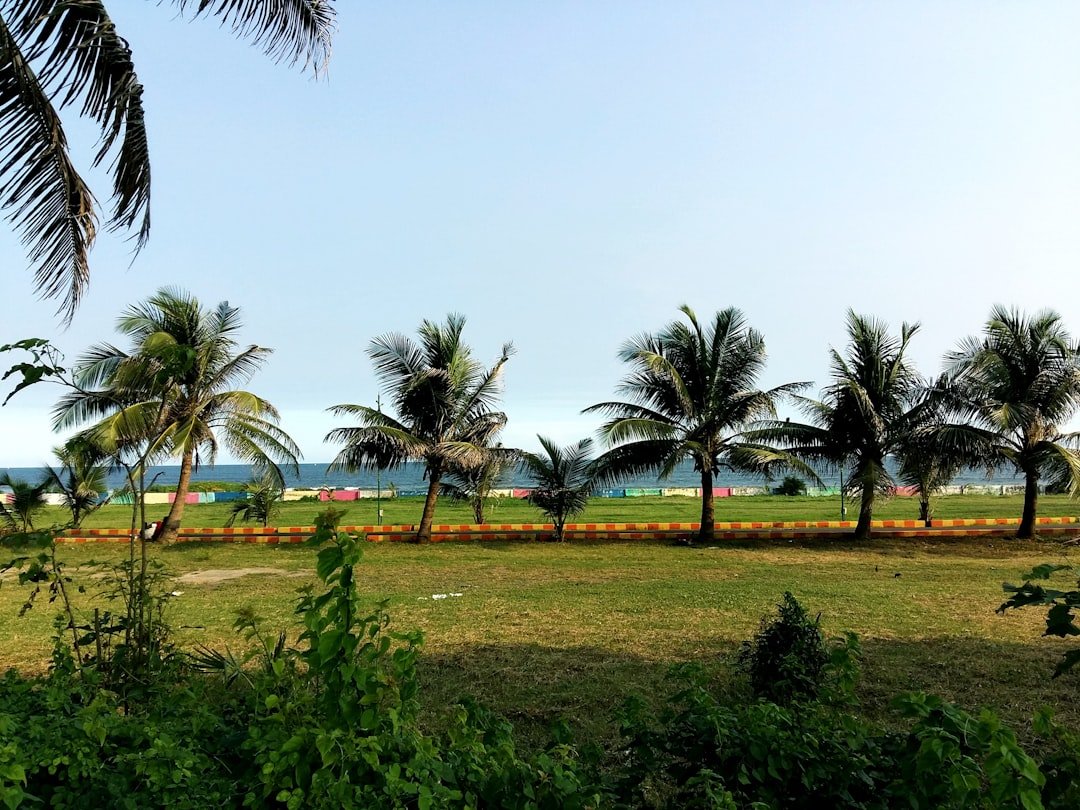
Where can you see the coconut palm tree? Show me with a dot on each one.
(864, 415)
(80, 477)
(473, 484)
(924, 462)
(264, 494)
(1012, 392)
(173, 391)
(693, 394)
(57, 54)
(26, 501)
(563, 477)
(445, 403)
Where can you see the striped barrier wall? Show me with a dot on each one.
(597, 531)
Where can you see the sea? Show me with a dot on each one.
(409, 478)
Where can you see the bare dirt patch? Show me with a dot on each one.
(212, 576)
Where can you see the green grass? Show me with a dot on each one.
(611, 510)
(548, 630)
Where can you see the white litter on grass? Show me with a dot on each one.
(442, 595)
(177, 593)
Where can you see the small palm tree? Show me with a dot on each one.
(264, 495)
(58, 54)
(80, 477)
(924, 463)
(563, 479)
(1011, 392)
(26, 501)
(693, 396)
(172, 393)
(445, 402)
(864, 415)
(473, 484)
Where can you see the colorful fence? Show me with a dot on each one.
(738, 530)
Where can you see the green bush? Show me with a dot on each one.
(791, 485)
(786, 658)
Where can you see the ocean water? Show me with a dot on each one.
(410, 477)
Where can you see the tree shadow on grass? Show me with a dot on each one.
(534, 685)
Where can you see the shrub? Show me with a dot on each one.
(786, 658)
(791, 485)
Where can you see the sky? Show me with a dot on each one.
(567, 174)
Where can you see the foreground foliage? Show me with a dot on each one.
(332, 720)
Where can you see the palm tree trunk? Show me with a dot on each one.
(171, 527)
(924, 509)
(423, 531)
(1031, 502)
(478, 509)
(866, 512)
(708, 514)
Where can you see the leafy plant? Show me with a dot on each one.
(563, 479)
(791, 486)
(786, 659)
(80, 477)
(1061, 617)
(473, 484)
(26, 501)
(264, 495)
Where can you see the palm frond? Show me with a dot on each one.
(47, 200)
(287, 30)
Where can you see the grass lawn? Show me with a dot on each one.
(612, 510)
(546, 630)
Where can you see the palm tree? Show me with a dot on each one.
(26, 501)
(445, 403)
(924, 463)
(263, 496)
(174, 391)
(1011, 392)
(474, 483)
(864, 415)
(56, 54)
(80, 477)
(693, 395)
(564, 478)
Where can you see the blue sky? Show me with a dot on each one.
(567, 174)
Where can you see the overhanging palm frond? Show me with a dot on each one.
(287, 30)
(636, 458)
(46, 198)
(84, 59)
